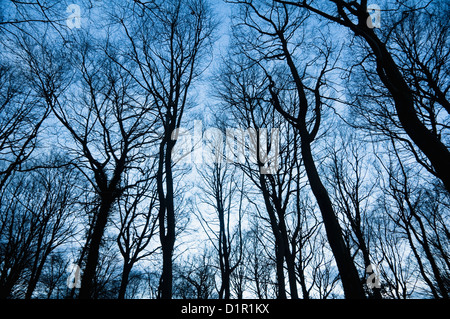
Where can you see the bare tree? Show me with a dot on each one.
(108, 125)
(412, 216)
(220, 192)
(274, 26)
(272, 152)
(305, 235)
(348, 175)
(324, 276)
(195, 277)
(59, 202)
(167, 42)
(37, 218)
(137, 227)
(53, 279)
(260, 266)
(413, 111)
(22, 114)
(15, 14)
(334, 168)
(108, 278)
(398, 273)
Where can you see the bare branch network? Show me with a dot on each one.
(199, 149)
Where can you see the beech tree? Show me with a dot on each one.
(107, 124)
(410, 64)
(274, 27)
(137, 227)
(22, 114)
(326, 174)
(37, 218)
(244, 93)
(220, 192)
(348, 176)
(418, 223)
(166, 43)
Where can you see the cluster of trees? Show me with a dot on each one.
(349, 199)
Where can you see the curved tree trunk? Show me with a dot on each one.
(349, 275)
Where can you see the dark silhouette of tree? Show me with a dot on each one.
(244, 93)
(37, 218)
(108, 126)
(348, 175)
(326, 174)
(195, 278)
(415, 79)
(220, 192)
(260, 267)
(167, 43)
(412, 215)
(137, 227)
(22, 114)
(53, 279)
(274, 27)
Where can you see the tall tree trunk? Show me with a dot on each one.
(224, 253)
(289, 257)
(36, 275)
(279, 249)
(302, 279)
(87, 282)
(349, 275)
(389, 73)
(366, 257)
(124, 281)
(292, 277)
(423, 240)
(166, 215)
(279, 258)
(83, 253)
